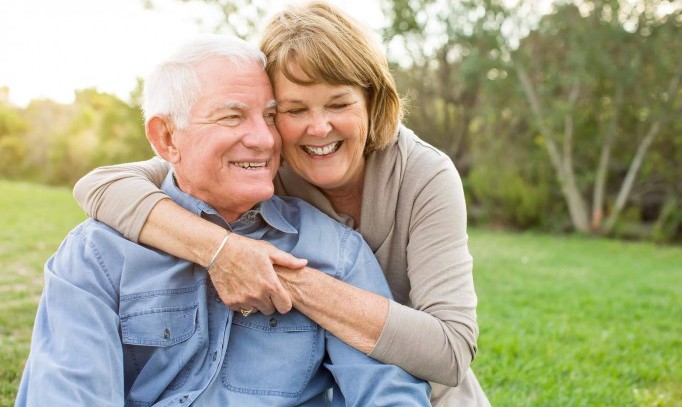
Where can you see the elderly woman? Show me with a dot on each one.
(338, 113)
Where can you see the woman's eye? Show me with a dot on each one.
(339, 106)
(295, 112)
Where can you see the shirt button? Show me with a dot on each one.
(183, 398)
(273, 322)
(215, 355)
(251, 216)
(217, 299)
(166, 334)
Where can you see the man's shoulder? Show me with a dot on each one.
(93, 238)
(95, 232)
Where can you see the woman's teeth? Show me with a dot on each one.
(328, 149)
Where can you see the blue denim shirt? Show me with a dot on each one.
(123, 324)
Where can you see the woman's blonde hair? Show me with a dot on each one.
(329, 46)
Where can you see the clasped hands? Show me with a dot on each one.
(244, 276)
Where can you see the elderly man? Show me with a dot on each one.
(121, 324)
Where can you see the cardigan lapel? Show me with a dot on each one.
(383, 178)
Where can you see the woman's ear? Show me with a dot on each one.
(160, 135)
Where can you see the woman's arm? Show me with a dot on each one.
(354, 315)
(127, 197)
(435, 340)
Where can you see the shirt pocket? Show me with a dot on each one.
(272, 355)
(160, 348)
(159, 327)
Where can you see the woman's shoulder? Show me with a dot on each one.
(416, 149)
(421, 159)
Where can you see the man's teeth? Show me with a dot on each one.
(251, 165)
(328, 149)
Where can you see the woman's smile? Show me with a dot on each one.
(322, 151)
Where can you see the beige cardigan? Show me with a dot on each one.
(414, 219)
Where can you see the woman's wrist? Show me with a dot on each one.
(209, 244)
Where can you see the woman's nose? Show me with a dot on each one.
(319, 125)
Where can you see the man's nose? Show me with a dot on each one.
(259, 136)
(319, 125)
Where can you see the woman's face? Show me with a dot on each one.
(324, 130)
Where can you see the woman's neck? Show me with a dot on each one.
(347, 200)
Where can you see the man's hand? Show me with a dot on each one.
(244, 277)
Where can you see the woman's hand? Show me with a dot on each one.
(354, 315)
(244, 277)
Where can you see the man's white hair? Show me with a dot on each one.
(172, 87)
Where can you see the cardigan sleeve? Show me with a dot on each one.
(435, 338)
(123, 195)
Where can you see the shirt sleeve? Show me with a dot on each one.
(123, 195)
(361, 380)
(76, 355)
(435, 339)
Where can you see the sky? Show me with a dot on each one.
(50, 48)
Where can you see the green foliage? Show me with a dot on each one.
(13, 153)
(12, 149)
(604, 77)
(57, 144)
(509, 199)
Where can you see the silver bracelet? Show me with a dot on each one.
(217, 252)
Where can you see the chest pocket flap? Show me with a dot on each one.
(159, 326)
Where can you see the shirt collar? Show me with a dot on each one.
(268, 210)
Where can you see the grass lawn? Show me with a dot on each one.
(575, 321)
(565, 321)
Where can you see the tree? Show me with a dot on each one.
(239, 17)
(593, 60)
(594, 84)
(13, 150)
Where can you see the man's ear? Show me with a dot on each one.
(160, 135)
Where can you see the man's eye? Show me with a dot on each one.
(229, 121)
(270, 118)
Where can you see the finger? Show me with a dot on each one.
(286, 259)
(281, 299)
(265, 306)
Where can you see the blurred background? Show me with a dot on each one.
(564, 119)
(560, 115)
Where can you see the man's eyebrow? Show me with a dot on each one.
(271, 104)
(229, 105)
(235, 106)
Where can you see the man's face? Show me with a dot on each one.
(229, 153)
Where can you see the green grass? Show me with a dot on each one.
(565, 321)
(575, 321)
(33, 221)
